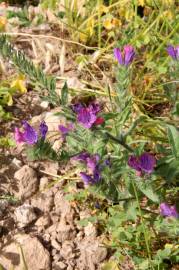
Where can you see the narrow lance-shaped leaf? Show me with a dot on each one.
(173, 136)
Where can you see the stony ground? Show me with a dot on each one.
(42, 225)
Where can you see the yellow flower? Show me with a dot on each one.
(141, 3)
(19, 84)
(3, 22)
(111, 23)
(103, 9)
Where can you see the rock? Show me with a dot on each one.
(24, 215)
(67, 250)
(57, 257)
(43, 221)
(64, 232)
(3, 206)
(55, 244)
(44, 202)
(44, 104)
(50, 167)
(63, 207)
(60, 266)
(91, 254)
(17, 163)
(35, 255)
(90, 230)
(44, 181)
(27, 182)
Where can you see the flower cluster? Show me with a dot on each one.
(173, 52)
(87, 115)
(126, 57)
(168, 211)
(94, 168)
(29, 134)
(145, 163)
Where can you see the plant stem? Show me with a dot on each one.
(121, 142)
(143, 225)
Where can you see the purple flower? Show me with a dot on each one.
(144, 163)
(18, 135)
(86, 117)
(168, 211)
(87, 114)
(77, 107)
(30, 135)
(82, 157)
(133, 162)
(65, 130)
(87, 179)
(173, 52)
(118, 56)
(126, 57)
(92, 162)
(43, 129)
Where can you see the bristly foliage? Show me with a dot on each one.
(27, 67)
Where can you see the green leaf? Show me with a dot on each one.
(64, 94)
(168, 169)
(173, 136)
(147, 190)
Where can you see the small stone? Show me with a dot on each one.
(60, 266)
(43, 201)
(24, 215)
(11, 258)
(67, 250)
(64, 232)
(44, 181)
(46, 237)
(55, 244)
(57, 257)
(43, 221)
(90, 230)
(44, 104)
(27, 182)
(17, 163)
(63, 207)
(3, 206)
(54, 252)
(50, 167)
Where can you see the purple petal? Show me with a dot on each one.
(86, 117)
(147, 162)
(30, 135)
(168, 211)
(43, 129)
(172, 52)
(87, 179)
(129, 54)
(133, 162)
(177, 52)
(94, 108)
(18, 135)
(77, 107)
(92, 162)
(97, 175)
(82, 157)
(64, 130)
(118, 56)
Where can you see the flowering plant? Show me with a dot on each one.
(117, 166)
